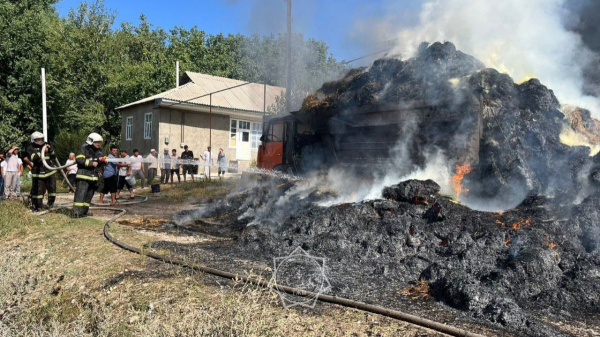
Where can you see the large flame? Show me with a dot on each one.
(458, 177)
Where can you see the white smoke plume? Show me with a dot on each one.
(524, 38)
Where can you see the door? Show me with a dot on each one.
(244, 146)
(272, 146)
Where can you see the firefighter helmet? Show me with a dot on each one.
(93, 137)
(36, 135)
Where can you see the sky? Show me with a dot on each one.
(337, 22)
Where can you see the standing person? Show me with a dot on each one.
(21, 170)
(111, 176)
(43, 180)
(137, 167)
(188, 154)
(88, 159)
(222, 161)
(12, 172)
(71, 170)
(2, 168)
(152, 166)
(125, 177)
(175, 167)
(208, 158)
(165, 169)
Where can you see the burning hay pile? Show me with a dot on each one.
(540, 257)
(507, 268)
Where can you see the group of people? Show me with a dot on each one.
(11, 171)
(89, 171)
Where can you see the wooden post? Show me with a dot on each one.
(210, 135)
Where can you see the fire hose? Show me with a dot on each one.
(192, 162)
(413, 319)
(440, 327)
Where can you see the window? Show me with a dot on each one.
(148, 125)
(128, 128)
(256, 133)
(244, 125)
(276, 132)
(233, 133)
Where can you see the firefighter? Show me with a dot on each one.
(43, 179)
(88, 159)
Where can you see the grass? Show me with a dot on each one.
(62, 278)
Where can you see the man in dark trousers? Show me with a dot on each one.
(88, 158)
(43, 179)
(187, 154)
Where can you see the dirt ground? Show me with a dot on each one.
(60, 277)
(92, 287)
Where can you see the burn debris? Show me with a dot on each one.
(504, 268)
(540, 257)
(412, 191)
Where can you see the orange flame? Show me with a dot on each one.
(506, 241)
(552, 245)
(457, 178)
(498, 222)
(521, 223)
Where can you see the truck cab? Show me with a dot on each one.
(284, 139)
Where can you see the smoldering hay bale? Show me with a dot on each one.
(521, 149)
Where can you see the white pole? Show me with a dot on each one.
(45, 123)
(177, 74)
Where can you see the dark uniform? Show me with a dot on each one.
(43, 179)
(86, 178)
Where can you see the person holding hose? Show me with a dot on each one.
(43, 179)
(88, 158)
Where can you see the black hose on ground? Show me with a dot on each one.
(440, 327)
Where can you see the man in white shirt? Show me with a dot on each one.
(72, 170)
(153, 166)
(12, 172)
(137, 167)
(2, 174)
(125, 177)
(207, 157)
(21, 170)
(165, 166)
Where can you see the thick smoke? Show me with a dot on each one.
(555, 41)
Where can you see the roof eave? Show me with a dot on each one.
(166, 103)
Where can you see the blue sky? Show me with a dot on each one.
(333, 21)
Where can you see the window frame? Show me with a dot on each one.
(256, 130)
(129, 128)
(148, 125)
(233, 132)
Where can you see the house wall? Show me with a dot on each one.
(192, 128)
(137, 140)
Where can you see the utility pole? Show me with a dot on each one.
(44, 115)
(177, 74)
(288, 89)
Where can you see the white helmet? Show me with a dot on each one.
(93, 137)
(36, 135)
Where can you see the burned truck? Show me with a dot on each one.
(370, 138)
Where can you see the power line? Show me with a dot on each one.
(308, 69)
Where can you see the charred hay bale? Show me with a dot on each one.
(412, 191)
(534, 270)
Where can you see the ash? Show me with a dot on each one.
(539, 257)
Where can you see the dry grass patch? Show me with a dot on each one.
(418, 291)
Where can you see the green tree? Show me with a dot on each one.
(92, 68)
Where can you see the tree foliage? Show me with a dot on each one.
(92, 67)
